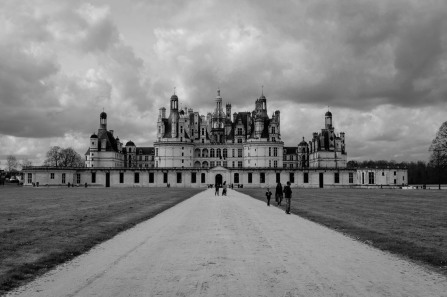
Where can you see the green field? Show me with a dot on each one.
(43, 227)
(412, 223)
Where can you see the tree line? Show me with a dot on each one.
(55, 157)
(419, 172)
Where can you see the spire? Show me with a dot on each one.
(174, 90)
(218, 92)
(262, 90)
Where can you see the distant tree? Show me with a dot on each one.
(352, 164)
(438, 149)
(63, 157)
(26, 163)
(11, 163)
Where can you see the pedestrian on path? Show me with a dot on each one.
(216, 193)
(268, 194)
(278, 194)
(224, 189)
(288, 195)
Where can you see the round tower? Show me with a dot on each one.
(103, 121)
(94, 143)
(328, 120)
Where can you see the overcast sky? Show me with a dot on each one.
(380, 66)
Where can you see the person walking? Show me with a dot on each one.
(268, 194)
(216, 193)
(288, 195)
(278, 194)
(224, 189)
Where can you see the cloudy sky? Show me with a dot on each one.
(380, 66)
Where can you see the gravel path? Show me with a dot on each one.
(234, 246)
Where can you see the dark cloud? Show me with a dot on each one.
(63, 62)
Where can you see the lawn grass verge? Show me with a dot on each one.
(41, 228)
(411, 223)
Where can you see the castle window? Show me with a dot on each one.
(262, 177)
(156, 152)
(278, 177)
(151, 177)
(121, 177)
(239, 131)
(78, 178)
(292, 177)
(239, 140)
(93, 177)
(146, 158)
(63, 178)
(202, 177)
(225, 164)
(336, 177)
(193, 177)
(275, 164)
(218, 153)
(236, 178)
(203, 131)
(270, 163)
(233, 163)
(239, 153)
(351, 177)
(306, 177)
(136, 177)
(273, 130)
(371, 178)
(270, 151)
(225, 153)
(239, 164)
(273, 139)
(250, 177)
(275, 152)
(211, 153)
(51, 175)
(165, 177)
(212, 164)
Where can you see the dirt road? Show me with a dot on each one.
(234, 246)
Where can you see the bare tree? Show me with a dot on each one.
(438, 149)
(26, 163)
(63, 157)
(11, 163)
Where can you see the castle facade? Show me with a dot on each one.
(240, 148)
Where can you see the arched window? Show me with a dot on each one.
(218, 153)
(236, 178)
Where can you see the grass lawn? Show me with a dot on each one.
(412, 223)
(42, 227)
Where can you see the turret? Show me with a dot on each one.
(174, 103)
(218, 101)
(103, 121)
(93, 143)
(162, 113)
(328, 120)
(259, 127)
(228, 111)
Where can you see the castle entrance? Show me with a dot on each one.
(218, 179)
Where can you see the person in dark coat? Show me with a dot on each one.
(216, 193)
(268, 194)
(278, 194)
(288, 195)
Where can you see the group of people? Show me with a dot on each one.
(224, 189)
(281, 192)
